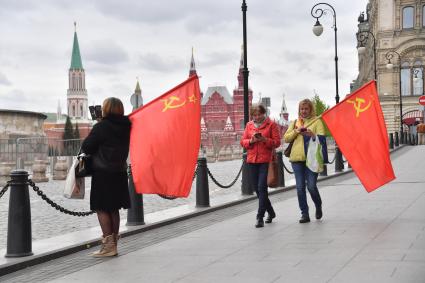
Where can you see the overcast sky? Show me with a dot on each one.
(152, 40)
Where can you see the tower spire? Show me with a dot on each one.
(192, 70)
(76, 62)
(241, 65)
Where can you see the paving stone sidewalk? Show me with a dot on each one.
(376, 237)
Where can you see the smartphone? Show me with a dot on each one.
(303, 129)
(257, 135)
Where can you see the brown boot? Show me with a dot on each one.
(107, 248)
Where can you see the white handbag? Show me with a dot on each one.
(74, 187)
(314, 160)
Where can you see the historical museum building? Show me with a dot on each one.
(391, 37)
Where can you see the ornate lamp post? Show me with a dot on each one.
(317, 12)
(389, 56)
(362, 38)
(246, 184)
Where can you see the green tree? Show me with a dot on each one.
(68, 135)
(320, 107)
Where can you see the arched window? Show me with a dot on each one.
(73, 110)
(405, 79)
(408, 17)
(81, 110)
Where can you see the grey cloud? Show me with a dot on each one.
(105, 52)
(154, 62)
(4, 80)
(218, 58)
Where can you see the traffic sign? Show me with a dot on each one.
(422, 100)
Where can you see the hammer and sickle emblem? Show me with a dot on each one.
(358, 105)
(169, 103)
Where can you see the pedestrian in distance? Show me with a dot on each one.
(300, 131)
(420, 129)
(260, 137)
(108, 144)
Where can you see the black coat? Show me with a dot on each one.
(108, 143)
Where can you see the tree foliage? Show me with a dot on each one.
(320, 107)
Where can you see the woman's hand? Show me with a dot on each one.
(307, 133)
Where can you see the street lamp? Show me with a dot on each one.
(389, 56)
(246, 184)
(362, 38)
(317, 12)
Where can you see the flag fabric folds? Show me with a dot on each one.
(164, 141)
(358, 126)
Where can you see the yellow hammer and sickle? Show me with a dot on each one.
(168, 103)
(357, 105)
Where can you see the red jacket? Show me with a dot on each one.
(261, 152)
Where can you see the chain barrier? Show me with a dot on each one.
(224, 186)
(170, 197)
(333, 160)
(55, 205)
(287, 170)
(3, 191)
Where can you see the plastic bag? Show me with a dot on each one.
(314, 160)
(74, 187)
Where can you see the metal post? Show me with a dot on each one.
(246, 181)
(135, 214)
(396, 141)
(281, 172)
(202, 187)
(19, 242)
(391, 141)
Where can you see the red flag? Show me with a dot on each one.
(358, 126)
(164, 141)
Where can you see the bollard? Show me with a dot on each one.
(396, 140)
(339, 163)
(202, 189)
(391, 141)
(135, 214)
(19, 221)
(246, 180)
(281, 172)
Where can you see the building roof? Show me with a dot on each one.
(76, 62)
(222, 90)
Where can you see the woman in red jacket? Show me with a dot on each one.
(260, 137)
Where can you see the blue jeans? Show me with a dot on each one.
(303, 174)
(258, 173)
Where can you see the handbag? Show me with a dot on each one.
(287, 151)
(74, 187)
(273, 173)
(84, 166)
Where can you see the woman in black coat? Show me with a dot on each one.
(108, 144)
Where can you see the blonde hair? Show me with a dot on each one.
(112, 106)
(310, 105)
(257, 108)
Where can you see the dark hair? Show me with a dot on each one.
(112, 106)
(258, 108)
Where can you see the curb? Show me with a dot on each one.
(42, 258)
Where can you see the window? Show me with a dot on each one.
(81, 110)
(423, 16)
(73, 110)
(405, 79)
(408, 16)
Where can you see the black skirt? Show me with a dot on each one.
(109, 191)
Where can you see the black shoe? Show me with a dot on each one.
(305, 219)
(269, 218)
(259, 223)
(319, 213)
